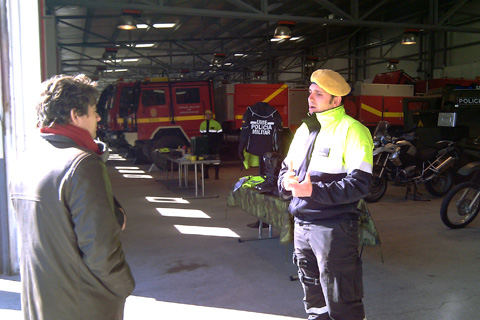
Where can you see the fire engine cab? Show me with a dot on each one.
(154, 113)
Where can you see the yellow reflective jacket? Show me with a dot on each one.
(340, 165)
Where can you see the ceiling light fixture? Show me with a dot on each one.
(163, 25)
(109, 54)
(310, 62)
(127, 20)
(184, 73)
(392, 64)
(409, 36)
(144, 45)
(99, 70)
(258, 75)
(283, 30)
(218, 59)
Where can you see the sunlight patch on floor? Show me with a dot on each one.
(207, 231)
(116, 157)
(183, 213)
(131, 171)
(11, 314)
(166, 200)
(10, 286)
(137, 176)
(149, 308)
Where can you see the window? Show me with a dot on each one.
(126, 101)
(187, 95)
(154, 97)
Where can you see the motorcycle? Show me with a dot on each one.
(461, 205)
(397, 159)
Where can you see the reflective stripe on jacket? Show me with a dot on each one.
(213, 127)
(340, 166)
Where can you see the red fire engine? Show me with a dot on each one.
(148, 112)
(151, 115)
(167, 114)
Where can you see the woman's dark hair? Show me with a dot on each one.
(61, 94)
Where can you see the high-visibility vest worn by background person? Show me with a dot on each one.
(213, 130)
(210, 126)
(260, 127)
(340, 165)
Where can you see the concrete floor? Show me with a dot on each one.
(428, 271)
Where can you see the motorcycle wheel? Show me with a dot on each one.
(461, 205)
(440, 185)
(377, 189)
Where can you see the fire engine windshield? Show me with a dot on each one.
(154, 97)
(127, 101)
(187, 95)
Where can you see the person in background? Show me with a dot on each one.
(327, 171)
(213, 130)
(72, 264)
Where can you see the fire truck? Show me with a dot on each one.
(153, 113)
(444, 108)
(403, 100)
(166, 114)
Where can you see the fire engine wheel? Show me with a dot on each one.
(377, 189)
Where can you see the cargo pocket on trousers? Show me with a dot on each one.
(344, 281)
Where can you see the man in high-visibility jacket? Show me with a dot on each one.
(213, 130)
(327, 171)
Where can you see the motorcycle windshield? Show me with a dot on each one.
(381, 130)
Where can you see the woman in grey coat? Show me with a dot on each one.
(72, 264)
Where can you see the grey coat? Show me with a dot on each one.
(72, 264)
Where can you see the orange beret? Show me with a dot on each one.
(330, 81)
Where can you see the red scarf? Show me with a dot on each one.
(79, 135)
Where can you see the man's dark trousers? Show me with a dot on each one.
(330, 269)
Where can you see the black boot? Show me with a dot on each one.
(271, 160)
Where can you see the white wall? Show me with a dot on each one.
(19, 83)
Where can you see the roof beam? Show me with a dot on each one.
(244, 5)
(452, 10)
(258, 16)
(334, 9)
(373, 9)
(102, 37)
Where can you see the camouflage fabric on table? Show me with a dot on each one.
(270, 209)
(367, 232)
(274, 210)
